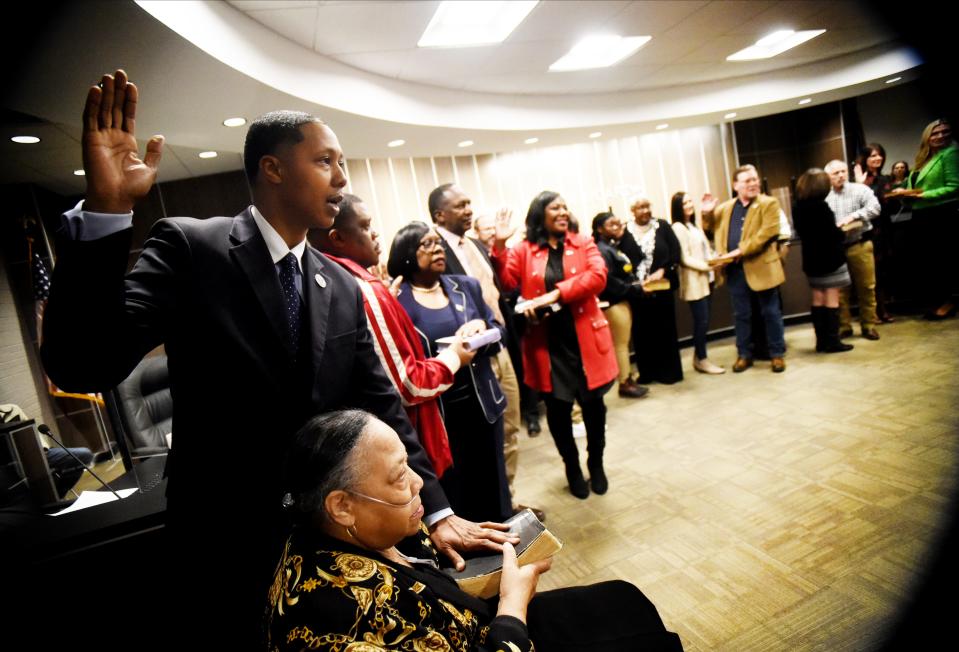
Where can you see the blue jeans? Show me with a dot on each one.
(769, 305)
(65, 469)
(700, 311)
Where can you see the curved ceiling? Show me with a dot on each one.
(361, 58)
(356, 65)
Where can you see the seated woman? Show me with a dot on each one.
(442, 305)
(358, 572)
(823, 257)
(621, 285)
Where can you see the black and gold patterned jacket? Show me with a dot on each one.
(330, 595)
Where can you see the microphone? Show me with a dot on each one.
(45, 429)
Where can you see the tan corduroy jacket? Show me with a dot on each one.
(760, 256)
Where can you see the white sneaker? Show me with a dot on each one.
(706, 367)
(579, 430)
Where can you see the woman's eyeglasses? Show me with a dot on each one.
(429, 244)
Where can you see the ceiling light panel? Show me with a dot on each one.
(467, 24)
(599, 51)
(775, 43)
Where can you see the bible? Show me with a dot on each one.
(481, 576)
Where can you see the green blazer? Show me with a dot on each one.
(938, 178)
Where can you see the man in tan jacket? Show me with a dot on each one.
(745, 231)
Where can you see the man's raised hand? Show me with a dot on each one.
(116, 177)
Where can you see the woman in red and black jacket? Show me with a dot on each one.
(567, 352)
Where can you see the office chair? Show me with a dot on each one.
(141, 411)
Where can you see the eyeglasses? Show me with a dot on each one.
(384, 502)
(429, 244)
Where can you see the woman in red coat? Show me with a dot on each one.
(567, 350)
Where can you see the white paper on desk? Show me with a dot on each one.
(93, 498)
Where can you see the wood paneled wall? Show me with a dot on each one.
(591, 176)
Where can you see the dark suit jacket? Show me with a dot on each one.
(208, 290)
(465, 294)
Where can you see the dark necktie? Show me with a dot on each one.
(291, 295)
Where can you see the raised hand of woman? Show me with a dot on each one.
(116, 177)
(504, 231)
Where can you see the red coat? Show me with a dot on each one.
(584, 277)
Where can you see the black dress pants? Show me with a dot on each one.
(606, 617)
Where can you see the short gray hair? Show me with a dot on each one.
(831, 165)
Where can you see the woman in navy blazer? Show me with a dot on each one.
(442, 305)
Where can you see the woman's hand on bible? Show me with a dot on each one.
(543, 300)
(471, 328)
(517, 584)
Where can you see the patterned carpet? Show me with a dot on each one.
(763, 511)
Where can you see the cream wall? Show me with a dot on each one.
(591, 176)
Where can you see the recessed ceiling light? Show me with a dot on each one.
(662, 126)
(775, 43)
(464, 143)
(599, 51)
(396, 143)
(596, 134)
(25, 140)
(80, 173)
(465, 24)
(894, 79)
(729, 116)
(234, 122)
(530, 141)
(207, 154)
(805, 100)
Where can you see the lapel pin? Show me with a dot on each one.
(320, 281)
(459, 307)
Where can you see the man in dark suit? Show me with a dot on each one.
(261, 331)
(451, 210)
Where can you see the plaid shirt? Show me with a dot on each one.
(858, 200)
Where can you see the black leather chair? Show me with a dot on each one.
(141, 411)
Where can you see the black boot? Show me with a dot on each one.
(577, 483)
(597, 477)
(818, 319)
(831, 331)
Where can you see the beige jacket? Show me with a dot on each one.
(760, 256)
(694, 269)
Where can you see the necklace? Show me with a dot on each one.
(429, 290)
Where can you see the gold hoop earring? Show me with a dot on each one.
(353, 532)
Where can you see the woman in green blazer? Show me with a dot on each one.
(934, 190)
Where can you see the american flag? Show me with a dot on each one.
(41, 280)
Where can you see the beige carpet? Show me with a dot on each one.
(764, 511)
